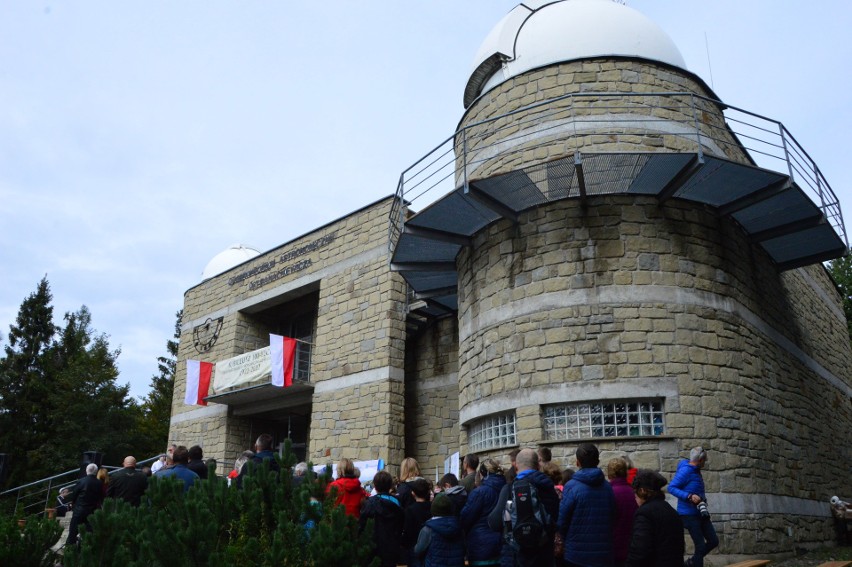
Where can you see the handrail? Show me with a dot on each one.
(765, 142)
(30, 495)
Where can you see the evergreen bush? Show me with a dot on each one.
(31, 545)
(262, 524)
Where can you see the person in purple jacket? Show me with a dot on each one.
(625, 505)
(688, 487)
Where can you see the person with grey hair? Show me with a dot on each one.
(263, 453)
(299, 474)
(86, 497)
(688, 487)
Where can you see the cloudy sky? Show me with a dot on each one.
(139, 139)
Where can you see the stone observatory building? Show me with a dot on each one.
(602, 251)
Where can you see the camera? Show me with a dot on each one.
(702, 509)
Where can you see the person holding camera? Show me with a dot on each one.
(688, 487)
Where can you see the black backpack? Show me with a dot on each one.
(528, 520)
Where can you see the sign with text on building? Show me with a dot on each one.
(254, 366)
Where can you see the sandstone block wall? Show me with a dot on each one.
(499, 139)
(627, 299)
(358, 352)
(431, 395)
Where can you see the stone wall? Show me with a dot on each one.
(626, 299)
(499, 137)
(358, 351)
(432, 395)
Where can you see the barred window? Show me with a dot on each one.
(492, 432)
(302, 328)
(604, 419)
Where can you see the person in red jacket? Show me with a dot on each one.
(349, 491)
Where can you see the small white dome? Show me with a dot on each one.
(540, 33)
(228, 258)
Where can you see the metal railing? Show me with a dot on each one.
(32, 499)
(611, 123)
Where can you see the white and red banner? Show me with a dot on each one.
(282, 352)
(197, 382)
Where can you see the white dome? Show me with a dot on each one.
(228, 258)
(536, 34)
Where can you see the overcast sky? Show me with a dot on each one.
(139, 139)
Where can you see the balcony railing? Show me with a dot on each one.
(586, 123)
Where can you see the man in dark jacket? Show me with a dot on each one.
(196, 462)
(688, 487)
(86, 498)
(388, 518)
(128, 484)
(454, 491)
(469, 466)
(263, 452)
(586, 513)
(657, 530)
(526, 463)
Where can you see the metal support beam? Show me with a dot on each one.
(439, 306)
(678, 181)
(756, 197)
(423, 266)
(437, 292)
(813, 259)
(439, 235)
(785, 229)
(490, 202)
(581, 177)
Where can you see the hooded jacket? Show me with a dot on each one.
(687, 480)
(586, 516)
(349, 493)
(458, 496)
(388, 517)
(441, 543)
(482, 542)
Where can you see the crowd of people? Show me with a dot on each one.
(531, 513)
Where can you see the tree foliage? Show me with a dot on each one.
(266, 523)
(841, 271)
(156, 407)
(58, 393)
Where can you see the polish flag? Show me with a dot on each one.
(282, 350)
(197, 382)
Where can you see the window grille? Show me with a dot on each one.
(638, 418)
(492, 432)
(302, 329)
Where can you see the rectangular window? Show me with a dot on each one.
(302, 329)
(632, 418)
(492, 432)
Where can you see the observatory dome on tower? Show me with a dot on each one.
(228, 258)
(537, 34)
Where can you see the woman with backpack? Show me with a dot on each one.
(483, 543)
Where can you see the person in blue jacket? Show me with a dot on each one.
(483, 543)
(688, 487)
(441, 543)
(587, 513)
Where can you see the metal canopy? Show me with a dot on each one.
(264, 398)
(772, 209)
